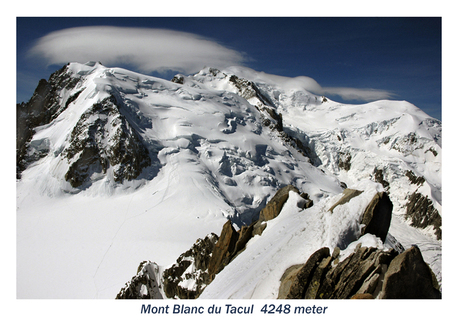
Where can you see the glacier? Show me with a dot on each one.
(219, 145)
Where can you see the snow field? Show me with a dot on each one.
(213, 160)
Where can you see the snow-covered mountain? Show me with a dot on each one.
(116, 168)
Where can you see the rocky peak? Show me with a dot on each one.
(44, 106)
(101, 140)
(368, 273)
(144, 285)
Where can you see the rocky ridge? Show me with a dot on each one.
(367, 272)
(238, 138)
(41, 109)
(103, 139)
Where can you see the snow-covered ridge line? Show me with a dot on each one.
(209, 151)
(261, 263)
(384, 140)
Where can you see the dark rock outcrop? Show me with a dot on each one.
(348, 194)
(344, 160)
(191, 267)
(209, 256)
(358, 273)
(362, 296)
(144, 285)
(275, 205)
(43, 107)
(422, 213)
(179, 79)
(244, 235)
(367, 273)
(414, 179)
(223, 250)
(231, 242)
(377, 216)
(294, 279)
(248, 89)
(409, 277)
(185, 279)
(103, 138)
(379, 177)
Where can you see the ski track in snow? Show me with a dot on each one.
(113, 238)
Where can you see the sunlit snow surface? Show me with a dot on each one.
(292, 237)
(214, 160)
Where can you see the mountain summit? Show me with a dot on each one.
(116, 167)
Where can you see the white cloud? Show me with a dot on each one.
(311, 85)
(360, 94)
(346, 93)
(146, 49)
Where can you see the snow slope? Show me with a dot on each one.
(394, 136)
(213, 158)
(290, 239)
(293, 236)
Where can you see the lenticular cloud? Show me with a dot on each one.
(145, 48)
(360, 94)
(148, 50)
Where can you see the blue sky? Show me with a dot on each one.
(354, 60)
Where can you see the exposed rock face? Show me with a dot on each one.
(294, 279)
(144, 285)
(244, 235)
(223, 250)
(101, 139)
(416, 180)
(179, 79)
(344, 160)
(358, 273)
(377, 216)
(378, 177)
(348, 194)
(367, 273)
(422, 213)
(362, 296)
(187, 278)
(290, 280)
(409, 277)
(41, 109)
(275, 205)
(249, 90)
(204, 260)
(231, 242)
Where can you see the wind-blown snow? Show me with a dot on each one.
(214, 160)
